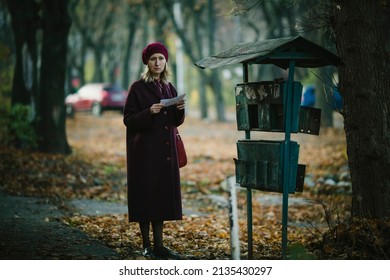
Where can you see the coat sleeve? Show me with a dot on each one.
(136, 117)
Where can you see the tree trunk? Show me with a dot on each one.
(98, 69)
(216, 86)
(360, 27)
(56, 25)
(215, 82)
(203, 104)
(133, 18)
(25, 23)
(198, 45)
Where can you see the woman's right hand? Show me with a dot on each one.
(156, 108)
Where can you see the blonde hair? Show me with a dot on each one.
(148, 77)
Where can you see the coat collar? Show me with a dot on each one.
(156, 91)
(153, 88)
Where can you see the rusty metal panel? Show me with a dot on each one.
(261, 106)
(254, 109)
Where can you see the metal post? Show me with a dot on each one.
(233, 220)
(249, 222)
(248, 190)
(286, 156)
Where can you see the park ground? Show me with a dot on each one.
(74, 207)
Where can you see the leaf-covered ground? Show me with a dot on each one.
(319, 224)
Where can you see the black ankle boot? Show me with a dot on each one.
(163, 252)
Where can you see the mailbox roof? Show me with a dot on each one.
(274, 51)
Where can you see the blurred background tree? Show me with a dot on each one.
(40, 31)
(107, 36)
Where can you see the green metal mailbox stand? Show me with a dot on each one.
(272, 106)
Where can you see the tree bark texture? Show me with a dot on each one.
(52, 117)
(361, 28)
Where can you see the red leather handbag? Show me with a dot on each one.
(181, 151)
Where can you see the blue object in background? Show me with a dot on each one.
(309, 97)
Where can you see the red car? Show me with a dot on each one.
(96, 98)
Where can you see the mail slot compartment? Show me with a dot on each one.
(260, 164)
(261, 106)
(309, 120)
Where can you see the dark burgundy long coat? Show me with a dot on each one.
(153, 178)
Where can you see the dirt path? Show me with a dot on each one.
(31, 229)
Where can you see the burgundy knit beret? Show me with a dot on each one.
(153, 48)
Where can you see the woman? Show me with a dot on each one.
(153, 177)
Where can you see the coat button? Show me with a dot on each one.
(168, 158)
(166, 127)
(167, 143)
(165, 112)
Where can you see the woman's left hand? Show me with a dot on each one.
(181, 105)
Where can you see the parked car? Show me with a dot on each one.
(96, 98)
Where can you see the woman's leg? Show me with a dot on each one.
(159, 250)
(144, 227)
(158, 234)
